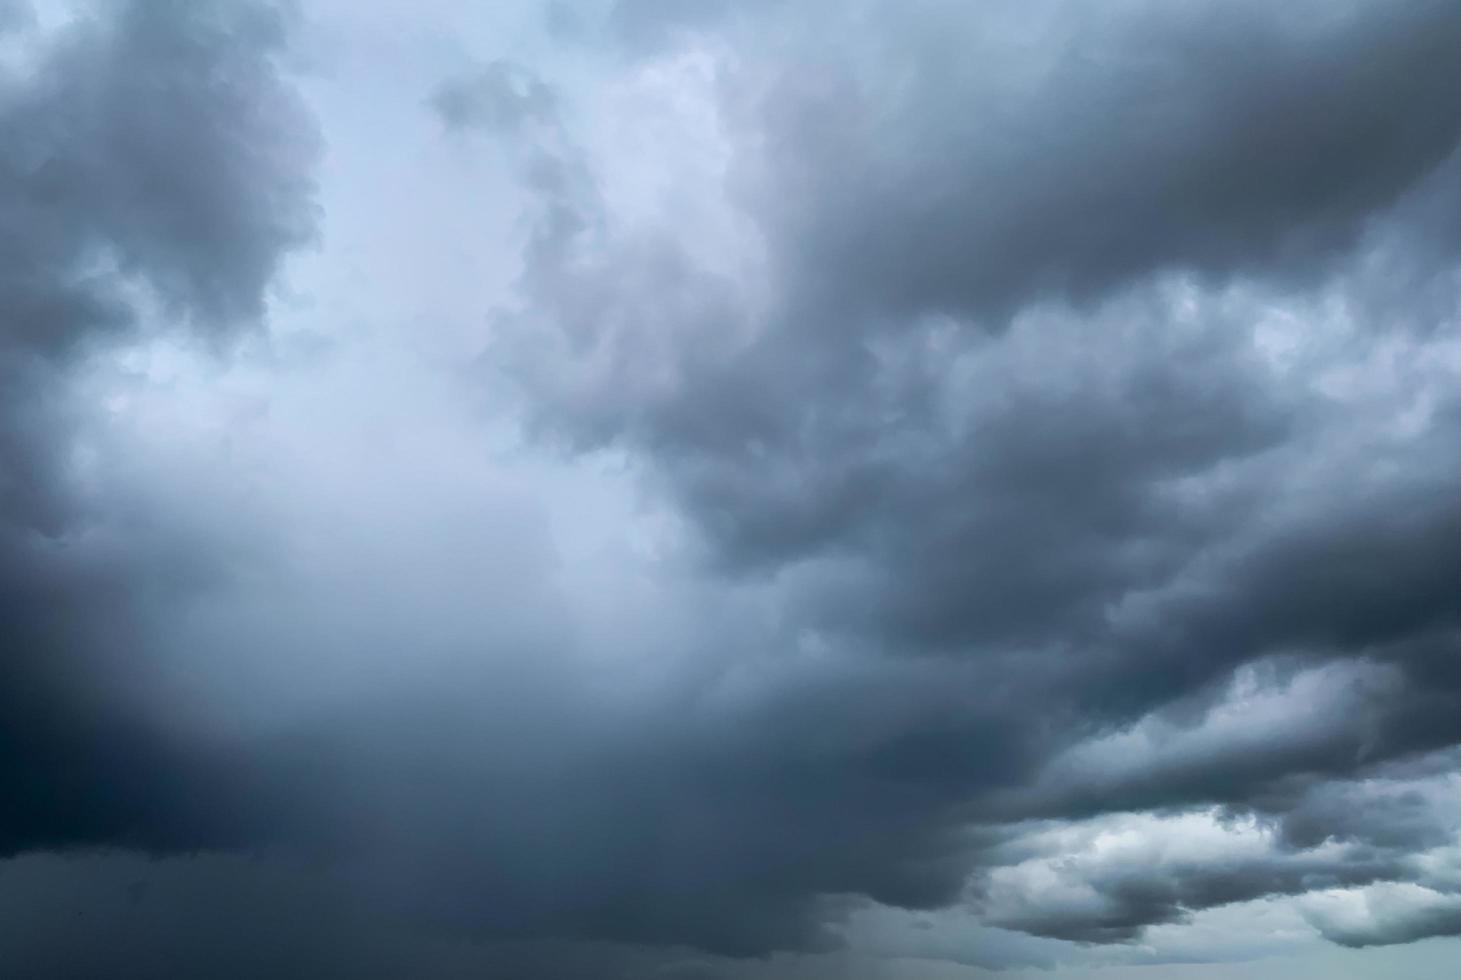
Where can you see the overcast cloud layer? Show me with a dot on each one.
(730, 490)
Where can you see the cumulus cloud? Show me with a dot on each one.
(1399, 913)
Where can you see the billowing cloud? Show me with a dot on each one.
(1053, 378)
(742, 491)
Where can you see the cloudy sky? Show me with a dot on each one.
(730, 489)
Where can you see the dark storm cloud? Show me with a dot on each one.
(153, 151)
(159, 142)
(1225, 140)
(1100, 510)
(1009, 494)
(665, 832)
(227, 917)
(1404, 818)
(231, 917)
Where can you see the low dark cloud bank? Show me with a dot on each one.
(153, 156)
(1079, 459)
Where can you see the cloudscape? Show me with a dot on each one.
(730, 489)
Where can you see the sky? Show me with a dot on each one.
(711, 490)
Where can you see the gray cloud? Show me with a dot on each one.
(1073, 151)
(1390, 915)
(1043, 434)
(498, 98)
(16, 15)
(152, 155)
(1106, 507)
(1125, 901)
